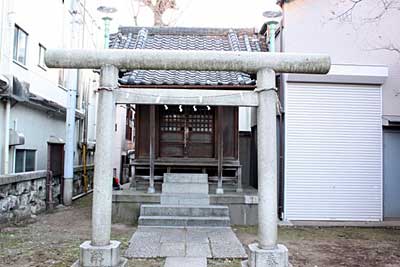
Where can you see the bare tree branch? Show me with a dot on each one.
(391, 48)
(383, 7)
(158, 7)
(347, 13)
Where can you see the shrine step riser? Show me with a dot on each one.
(184, 221)
(163, 210)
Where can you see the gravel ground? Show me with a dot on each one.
(53, 239)
(336, 246)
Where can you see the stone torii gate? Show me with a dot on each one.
(101, 251)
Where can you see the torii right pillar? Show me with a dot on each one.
(267, 252)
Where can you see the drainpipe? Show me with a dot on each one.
(85, 122)
(70, 119)
(272, 32)
(6, 155)
(7, 44)
(281, 90)
(84, 145)
(107, 10)
(107, 21)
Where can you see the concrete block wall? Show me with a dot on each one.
(24, 194)
(78, 185)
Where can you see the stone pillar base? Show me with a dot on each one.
(99, 256)
(68, 188)
(277, 257)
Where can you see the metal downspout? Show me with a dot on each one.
(281, 92)
(70, 119)
(7, 43)
(6, 152)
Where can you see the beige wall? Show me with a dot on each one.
(309, 27)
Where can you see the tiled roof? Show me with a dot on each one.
(186, 39)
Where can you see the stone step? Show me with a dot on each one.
(186, 178)
(143, 186)
(184, 199)
(184, 221)
(190, 211)
(188, 188)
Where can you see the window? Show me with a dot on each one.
(25, 160)
(61, 78)
(20, 45)
(42, 51)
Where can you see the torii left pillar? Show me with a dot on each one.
(101, 251)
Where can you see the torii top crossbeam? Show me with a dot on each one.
(249, 62)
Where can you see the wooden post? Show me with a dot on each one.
(220, 131)
(151, 188)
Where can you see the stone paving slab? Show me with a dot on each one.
(148, 236)
(198, 250)
(172, 249)
(174, 235)
(222, 250)
(185, 262)
(210, 242)
(193, 236)
(143, 250)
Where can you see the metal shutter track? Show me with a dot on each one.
(333, 152)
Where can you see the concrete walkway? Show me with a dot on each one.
(202, 242)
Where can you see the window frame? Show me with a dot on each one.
(16, 47)
(42, 51)
(24, 160)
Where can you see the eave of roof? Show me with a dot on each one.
(187, 39)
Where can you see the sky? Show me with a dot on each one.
(197, 13)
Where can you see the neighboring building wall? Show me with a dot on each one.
(345, 181)
(37, 126)
(47, 29)
(50, 29)
(119, 138)
(2, 127)
(309, 28)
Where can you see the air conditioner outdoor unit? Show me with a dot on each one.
(12, 87)
(5, 81)
(16, 138)
(20, 90)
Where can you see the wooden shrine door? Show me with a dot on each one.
(187, 132)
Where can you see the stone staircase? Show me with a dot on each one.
(184, 202)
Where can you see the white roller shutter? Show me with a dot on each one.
(333, 160)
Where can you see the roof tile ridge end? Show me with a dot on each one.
(141, 38)
(235, 45)
(233, 40)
